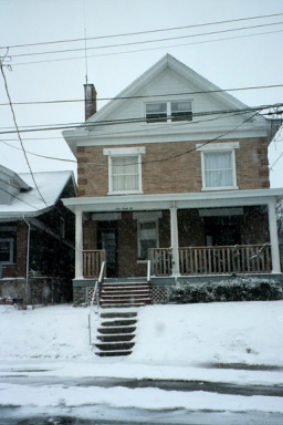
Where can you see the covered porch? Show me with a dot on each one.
(198, 234)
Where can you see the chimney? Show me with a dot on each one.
(90, 100)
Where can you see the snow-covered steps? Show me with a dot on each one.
(124, 294)
(116, 333)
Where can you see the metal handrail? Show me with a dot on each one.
(148, 270)
(95, 291)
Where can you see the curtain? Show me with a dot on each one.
(218, 169)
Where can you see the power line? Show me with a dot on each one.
(85, 125)
(39, 155)
(144, 32)
(124, 132)
(18, 132)
(43, 102)
(134, 43)
(147, 49)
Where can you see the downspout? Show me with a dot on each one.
(27, 284)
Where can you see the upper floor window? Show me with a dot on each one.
(124, 170)
(218, 165)
(169, 111)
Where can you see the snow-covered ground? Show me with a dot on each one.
(194, 342)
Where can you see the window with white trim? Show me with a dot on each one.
(6, 250)
(218, 165)
(124, 170)
(180, 110)
(147, 237)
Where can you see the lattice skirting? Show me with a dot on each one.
(159, 295)
(89, 294)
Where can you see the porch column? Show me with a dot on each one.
(79, 245)
(174, 241)
(273, 232)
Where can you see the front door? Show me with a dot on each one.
(107, 240)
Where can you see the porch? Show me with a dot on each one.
(186, 235)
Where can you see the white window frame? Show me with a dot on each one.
(218, 148)
(11, 257)
(169, 111)
(124, 152)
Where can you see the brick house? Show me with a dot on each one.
(36, 236)
(173, 170)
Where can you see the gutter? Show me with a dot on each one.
(27, 285)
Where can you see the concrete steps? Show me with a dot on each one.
(128, 294)
(116, 332)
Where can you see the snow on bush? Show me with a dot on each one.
(238, 289)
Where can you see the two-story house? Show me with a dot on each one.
(174, 170)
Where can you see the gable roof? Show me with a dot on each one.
(167, 62)
(202, 92)
(30, 204)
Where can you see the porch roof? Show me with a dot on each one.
(179, 200)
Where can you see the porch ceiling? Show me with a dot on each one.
(178, 200)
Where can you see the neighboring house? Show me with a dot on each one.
(36, 236)
(174, 170)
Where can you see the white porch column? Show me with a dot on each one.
(79, 245)
(174, 241)
(273, 232)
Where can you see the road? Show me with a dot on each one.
(102, 414)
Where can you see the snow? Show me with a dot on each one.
(50, 185)
(196, 342)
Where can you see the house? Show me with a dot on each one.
(173, 170)
(36, 236)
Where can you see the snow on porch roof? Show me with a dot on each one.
(178, 200)
(30, 204)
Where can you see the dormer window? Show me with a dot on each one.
(169, 111)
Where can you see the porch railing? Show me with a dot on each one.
(92, 260)
(215, 259)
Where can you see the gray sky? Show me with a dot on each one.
(240, 62)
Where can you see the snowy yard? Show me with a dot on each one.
(238, 343)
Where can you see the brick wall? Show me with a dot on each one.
(180, 174)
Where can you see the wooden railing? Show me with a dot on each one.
(215, 259)
(161, 261)
(92, 260)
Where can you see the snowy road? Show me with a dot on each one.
(51, 400)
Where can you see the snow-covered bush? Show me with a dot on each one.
(238, 289)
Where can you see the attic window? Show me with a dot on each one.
(181, 111)
(156, 112)
(169, 111)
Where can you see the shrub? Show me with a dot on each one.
(239, 289)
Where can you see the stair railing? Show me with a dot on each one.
(96, 295)
(148, 271)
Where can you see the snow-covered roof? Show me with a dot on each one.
(31, 203)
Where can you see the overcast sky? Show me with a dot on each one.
(253, 60)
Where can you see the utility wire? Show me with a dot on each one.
(147, 49)
(86, 125)
(134, 43)
(18, 132)
(43, 102)
(143, 32)
(39, 155)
